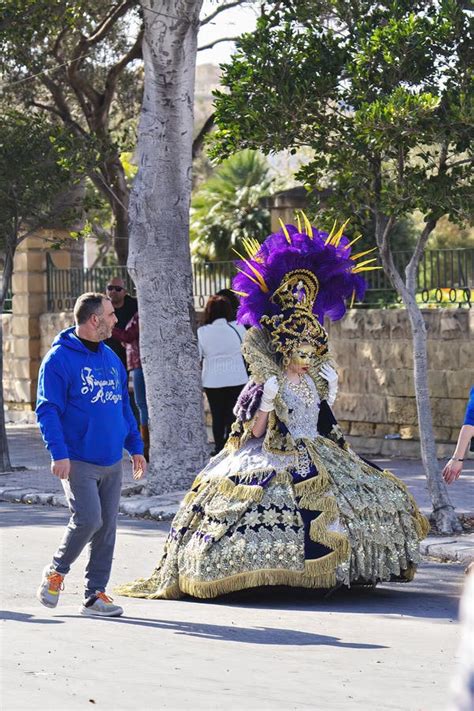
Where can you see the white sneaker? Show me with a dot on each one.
(51, 586)
(99, 605)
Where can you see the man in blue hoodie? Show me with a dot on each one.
(85, 418)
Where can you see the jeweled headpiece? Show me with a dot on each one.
(296, 322)
(296, 278)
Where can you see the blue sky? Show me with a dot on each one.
(230, 23)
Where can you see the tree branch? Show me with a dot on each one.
(220, 9)
(213, 44)
(109, 21)
(61, 104)
(57, 44)
(135, 52)
(81, 87)
(199, 140)
(67, 119)
(412, 266)
(459, 162)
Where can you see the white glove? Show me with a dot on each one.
(270, 390)
(329, 374)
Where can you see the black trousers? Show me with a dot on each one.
(221, 402)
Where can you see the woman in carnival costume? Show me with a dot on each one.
(288, 502)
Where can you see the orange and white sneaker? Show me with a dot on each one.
(51, 586)
(100, 605)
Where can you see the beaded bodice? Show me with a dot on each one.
(303, 407)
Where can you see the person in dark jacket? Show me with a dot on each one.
(130, 336)
(125, 307)
(85, 419)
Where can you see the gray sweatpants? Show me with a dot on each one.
(93, 495)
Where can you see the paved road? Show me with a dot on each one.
(392, 648)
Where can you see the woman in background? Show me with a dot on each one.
(223, 368)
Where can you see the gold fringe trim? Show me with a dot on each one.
(318, 503)
(318, 573)
(189, 498)
(131, 590)
(422, 525)
(282, 477)
(315, 486)
(243, 492)
(197, 481)
(331, 539)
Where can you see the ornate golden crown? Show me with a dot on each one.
(296, 323)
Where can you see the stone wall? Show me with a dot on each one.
(376, 394)
(51, 325)
(376, 397)
(22, 336)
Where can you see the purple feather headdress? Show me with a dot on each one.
(328, 256)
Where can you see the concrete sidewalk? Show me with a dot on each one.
(36, 485)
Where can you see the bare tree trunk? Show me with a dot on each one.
(443, 511)
(5, 464)
(159, 258)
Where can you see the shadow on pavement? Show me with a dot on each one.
(24, 617)
(415, 599)
(253, 635)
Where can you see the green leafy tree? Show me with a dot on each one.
(81, 61)
(228, 207)
(75, 61)
(36, 159)
(381, 93)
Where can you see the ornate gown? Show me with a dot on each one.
(297, 507)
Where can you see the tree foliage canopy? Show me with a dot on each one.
(38, 161)
(228, 207)
(380, 91)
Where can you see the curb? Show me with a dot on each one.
(159, 508)
(454, 550)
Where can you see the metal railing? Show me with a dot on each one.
(445, 276)
(65, 285)
(7, 306)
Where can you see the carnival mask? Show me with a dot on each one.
(302, 356)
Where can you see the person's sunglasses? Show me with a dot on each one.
(112, 287)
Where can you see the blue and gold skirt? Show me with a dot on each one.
(315, 519)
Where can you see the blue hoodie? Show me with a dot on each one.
(469, 418)
(83, 407)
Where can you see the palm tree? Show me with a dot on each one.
(228, 207)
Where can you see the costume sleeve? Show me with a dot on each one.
(469, 418)
(50, 406)
(133, 441)
(327, 424)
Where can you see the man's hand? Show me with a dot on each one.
(139, 466)
(452, 470)
(61, 468)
